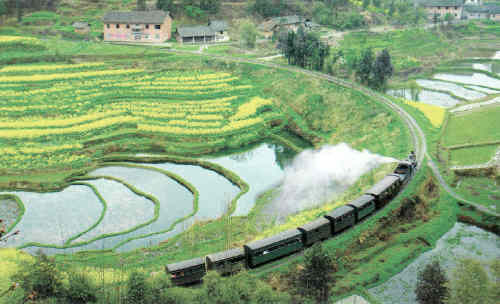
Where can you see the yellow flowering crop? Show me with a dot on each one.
(206, 117)
(18, 39)
(51, 122)
(49, 67)
(31, 133)
(435, 114)
(250, 108)
(39, 149)
(47, 77)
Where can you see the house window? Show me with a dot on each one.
(107, 25)
(147, 26)
(157, 26)
(117, 26)
(128, 26)
(439, 7)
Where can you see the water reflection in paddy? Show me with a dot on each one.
(259, 167)
(450, 87)
(125, 209)
(474, 79)
(52, 218)
(425, 96)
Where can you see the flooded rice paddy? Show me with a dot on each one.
(68, 218)
(462, 241)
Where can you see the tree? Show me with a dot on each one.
(366, 3)
(248, 34)
(136, 288)
(431, 284)
(468, 284)
(365, 66)
(3, 10)
(165, 5)
(141, 5)
(315, 278)
(382, 70)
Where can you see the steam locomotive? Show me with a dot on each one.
(285, 243)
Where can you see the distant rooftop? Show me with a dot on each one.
(139, 17)
(218, 25)
(443, 3)
(193, 31)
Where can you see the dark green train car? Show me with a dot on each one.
(274, 247)
(341, 218)
(226, 262)
(385, 190)
(364, 206)
(187, 272)
(317, 230)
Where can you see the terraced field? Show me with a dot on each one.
(54, 115)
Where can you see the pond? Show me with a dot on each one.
(462, 241)
(426, 96)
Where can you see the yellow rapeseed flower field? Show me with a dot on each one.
(435, 114)
(63, 76)
(18, 39)
(49, 67)
(250, 108)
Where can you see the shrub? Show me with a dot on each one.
(39, 279)
(136, 288)
(80, 289)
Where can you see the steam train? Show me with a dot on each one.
(285, 243)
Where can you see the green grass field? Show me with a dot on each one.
(472, 156)
(473, 127)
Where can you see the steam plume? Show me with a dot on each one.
(319, 175)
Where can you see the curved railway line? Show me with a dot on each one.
(418, 137)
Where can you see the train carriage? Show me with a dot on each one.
(385, 190)
(274, 247)
(317, 230)
(341, 218)
(226, 262)
(364, 206)
(187, 272)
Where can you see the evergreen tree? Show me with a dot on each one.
(382, 69)
(315, 278)
(141, 5)
(431, 284)
(3, 11)
(165, 5)
(365, 66)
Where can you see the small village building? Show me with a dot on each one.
(81, 27)
(287, 23)
(440, 8)
(476, 12)
(220, 28)
(195, 34)
(137, 26)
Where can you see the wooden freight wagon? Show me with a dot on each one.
(364, 206)
(341, 218)
(274, 247)
(187, 272)
(226, 262)
(317, 230)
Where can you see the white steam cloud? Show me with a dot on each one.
(319, 175)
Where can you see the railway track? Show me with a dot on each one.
(418, 137)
